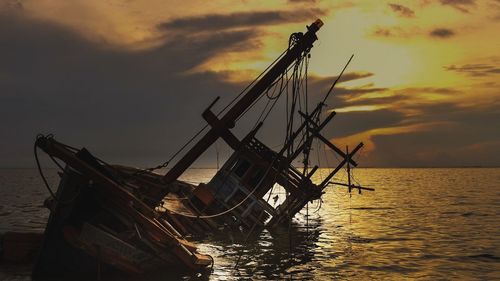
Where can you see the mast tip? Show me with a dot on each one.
(319, 23)
(315, 26)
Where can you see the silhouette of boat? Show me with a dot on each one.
(135, 220)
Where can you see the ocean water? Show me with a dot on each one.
(419, 224)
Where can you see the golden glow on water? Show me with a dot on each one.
(419, 224)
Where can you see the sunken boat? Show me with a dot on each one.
(136, 220)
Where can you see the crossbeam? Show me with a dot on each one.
(304, 44)
(221, 129)
(340, 165)
(353, 186)
(315, 130)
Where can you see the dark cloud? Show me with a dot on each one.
(303, 1)
(402, 10)
(398, 32)
(393, 31)
(138, 107)
(457, 2)
(349, 123)
(11, 6)
(444, 135)
(475, 70)
(459, 137)
(122, 104)
(383, 32)
(324, 83)
(426, 90)
(242, 19)
(319, 86)
(461, 5)
(406, 99)
(442, 33)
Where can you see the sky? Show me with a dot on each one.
(129, 79)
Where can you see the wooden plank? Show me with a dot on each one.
(316, 132)
(222, 129)
(341, 164)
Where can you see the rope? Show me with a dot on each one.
(338, 78)
(267, 172)
(52, 194)
(44, 179)
(297, 83)
(215, 215)
(166, 163)
(235, 206)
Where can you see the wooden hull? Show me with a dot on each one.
(92, 229)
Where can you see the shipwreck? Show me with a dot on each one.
(135, 220)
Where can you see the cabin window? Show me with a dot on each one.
(242, 167)
(256, 177)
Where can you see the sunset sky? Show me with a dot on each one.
(129, 79)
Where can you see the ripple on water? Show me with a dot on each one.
(5, 213)
(372, 208)
(390, 268)
(486, 257)
(427, 224)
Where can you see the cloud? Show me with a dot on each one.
(457, 2)
(442, 33)
(410, 32)
(441, 135)
(471, 127)
(241, 19)
(405, 100)
(475, 70)
(133, 107)
(354, 76)
(122, 104)
(303, 1)
(461, 5)
(383, 32)
(401, 10)
(319, 86)
(11, 6)
(350, 123)
(326, 82)
(417, 90)
(137, 107)
(394, 32)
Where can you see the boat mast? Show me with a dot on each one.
(221, 127)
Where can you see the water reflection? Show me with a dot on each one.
(270, 254)
(420, 224)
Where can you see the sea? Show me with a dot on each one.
(418, 224)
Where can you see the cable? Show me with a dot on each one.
(338, 78)
(44, 179)
(166, 163)
(41, 173)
